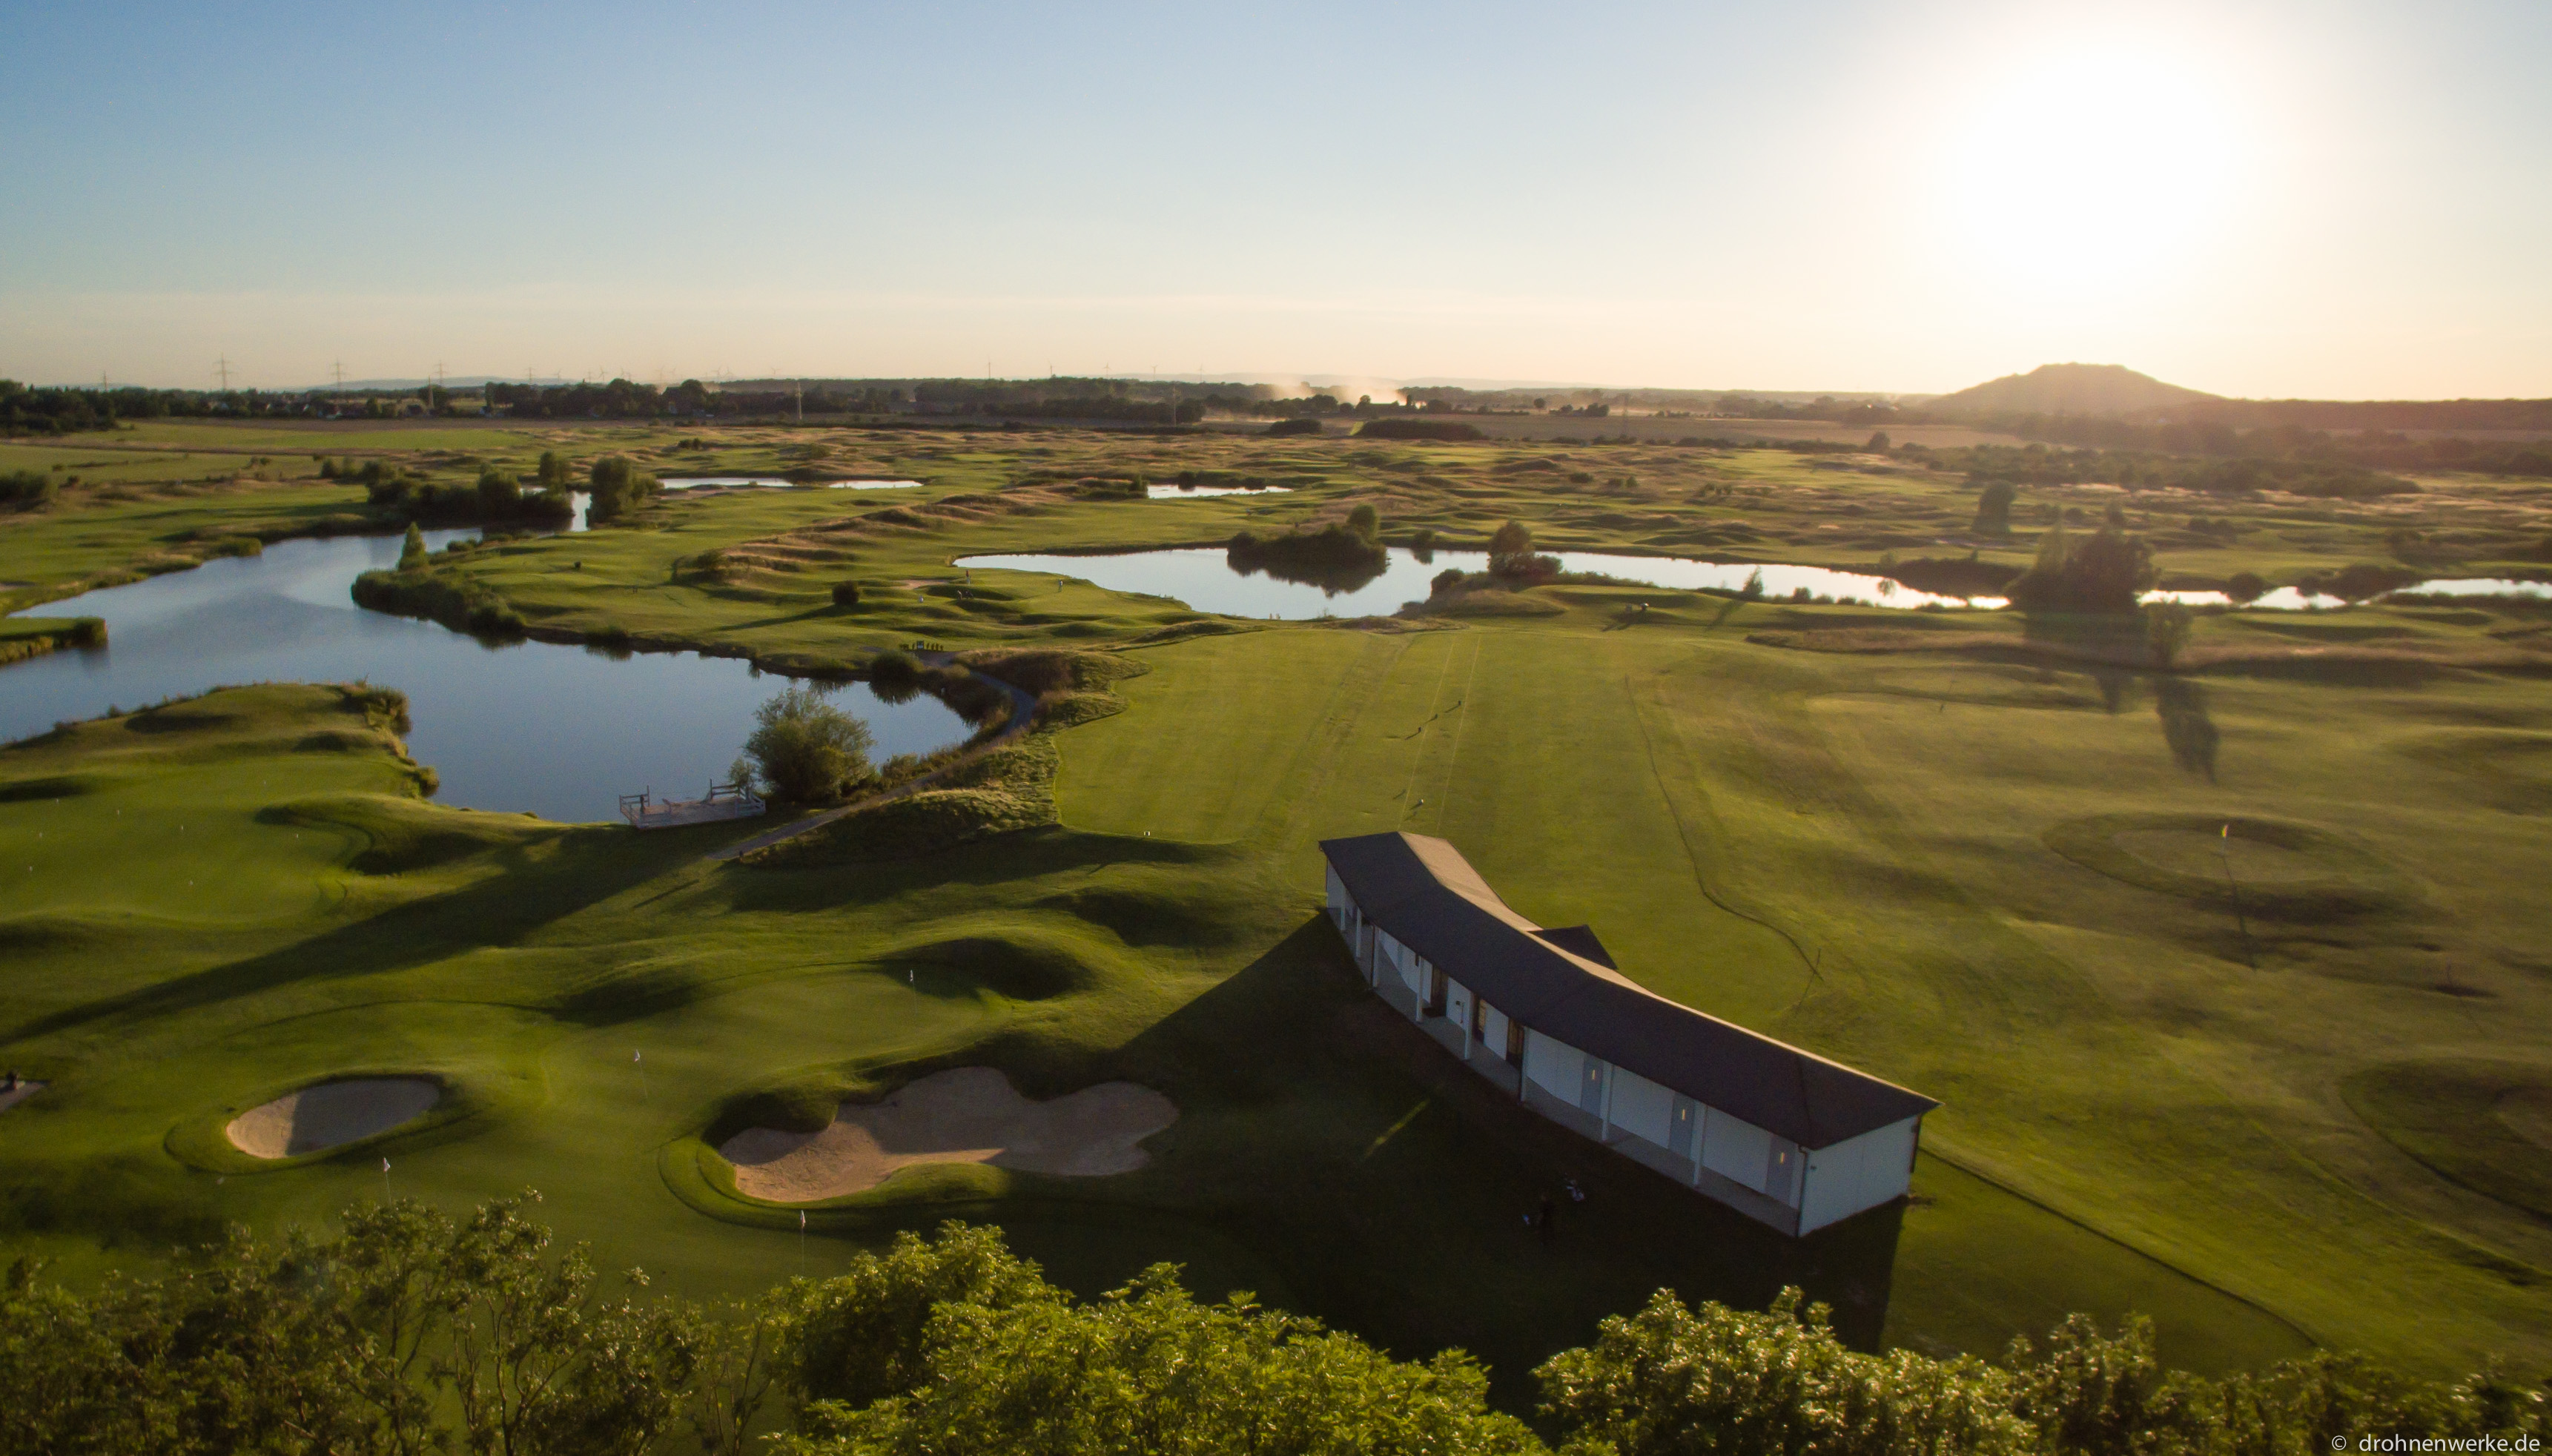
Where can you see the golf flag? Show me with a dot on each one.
(801, 1220)
(637, 1056)
(385, 1165)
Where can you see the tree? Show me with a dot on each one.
(1365, 522)
(1509, 546)
(1994, 508)
(1146, 1368)
(846, 593)
(2167, 628)
(807, 750)
(27, 487)
(553, 473)
(500, 494)
(412, 548)
(2105, 573)
(618, 486)
(1879, 444)
(2246, 587)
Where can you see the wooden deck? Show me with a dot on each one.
(722, 801)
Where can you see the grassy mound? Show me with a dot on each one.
(2279, 870)
(2485, 1126)
(395, 834)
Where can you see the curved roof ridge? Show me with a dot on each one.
(1426, 894)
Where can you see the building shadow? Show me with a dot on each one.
(1392, 1188)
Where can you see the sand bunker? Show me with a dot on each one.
(970, 1114)
(11, 1096)
(331, 1114)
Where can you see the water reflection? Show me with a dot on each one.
(775, 483)
(557, 730)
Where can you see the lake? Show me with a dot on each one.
(561, 731)
(773, 483)
(1203, 578)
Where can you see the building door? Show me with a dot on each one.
(1515, 1042)
(1686, 1123)
(1480, 1019)
(1435, 990)
(1590, 1092)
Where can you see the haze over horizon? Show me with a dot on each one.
(2271, 200)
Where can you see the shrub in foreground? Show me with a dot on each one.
(414, 1332)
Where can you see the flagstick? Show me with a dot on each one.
(639, 1060)
(801, 1241)
(385, 1181)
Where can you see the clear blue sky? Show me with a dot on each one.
(2331, 198)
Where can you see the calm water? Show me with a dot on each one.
(1204, 578)
(561, 731)
(694, 483)
(1183, 492)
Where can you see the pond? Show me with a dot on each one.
(773, 483)
(1183, 492)
(1204, 578)
(561, 731)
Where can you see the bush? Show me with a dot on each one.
(553, 473)
(412, 548)
(1294, 427)
(2246, 587)
(1448, 580)
(2167, 627)
(846, 593)
(1994, 508)
(1365, 522)
(25, 488)
(618, 487)
(805, 750)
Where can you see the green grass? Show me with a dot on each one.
(2149, 1105)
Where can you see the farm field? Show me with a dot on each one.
(1913, 841)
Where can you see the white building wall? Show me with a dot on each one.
(1553, 1066)
(1735, 1149)
(1641, 1106)
(1337, 900)
(1457, 1006)
(1493, 1029)
(1859, 1173)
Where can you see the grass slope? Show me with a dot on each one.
(2150, 1104)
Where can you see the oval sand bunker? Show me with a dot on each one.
(970, 1114)
(330, 1113)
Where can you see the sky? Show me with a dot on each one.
(2285, 198)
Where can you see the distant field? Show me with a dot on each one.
(1928, 843)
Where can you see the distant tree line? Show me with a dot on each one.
(2037, 464)
(413, 1331)
(2291, 441)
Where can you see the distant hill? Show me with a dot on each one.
(2072, 389)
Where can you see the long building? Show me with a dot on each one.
(1781, 1135)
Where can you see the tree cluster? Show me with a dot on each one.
(2106, 573)
(2036, 465)
(413, 1331)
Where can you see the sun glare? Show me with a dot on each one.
(2090, 171)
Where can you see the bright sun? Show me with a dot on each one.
(2092, 170)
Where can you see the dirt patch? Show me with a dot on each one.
(331, 1114)
(969, 1114)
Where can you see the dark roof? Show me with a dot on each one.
(1579, 941)
(1563, 984)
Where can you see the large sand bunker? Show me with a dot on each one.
(330, 1113)
(970, 1114)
